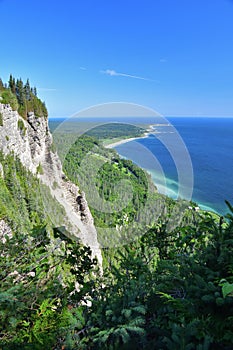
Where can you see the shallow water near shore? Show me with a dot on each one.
(210, 144)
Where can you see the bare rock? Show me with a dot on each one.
(31, 141)
(5, 231)
(1, 171)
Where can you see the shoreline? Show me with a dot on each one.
(202, 206)
(121, 142)
(149, 130)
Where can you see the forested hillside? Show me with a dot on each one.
(126, 208)
(167, 278)
(24, 201)
(164, 290)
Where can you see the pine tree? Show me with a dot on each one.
(20, 94)
(12, 84)
(1, 84)
(27, 90)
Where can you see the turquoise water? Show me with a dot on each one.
(209, 142)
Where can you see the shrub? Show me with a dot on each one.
(39, 170)
(1, 119)
(9, 98)
(21, 127)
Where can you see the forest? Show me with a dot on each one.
(166, 283)
(162, 291)
(22, 98)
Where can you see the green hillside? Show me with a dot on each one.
(167, 279)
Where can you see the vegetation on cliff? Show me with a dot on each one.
(24, 201)
(164, 290)
(168, 288)
(130, 206)
(22, 98)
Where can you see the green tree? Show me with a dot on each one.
(27, 90)
(36, 285)
(20, 93)
(1, 85)
(12, 84)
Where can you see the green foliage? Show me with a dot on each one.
(227, 289)
(88, 150)
(121, 196)
(7, 97)
(1, 85)
(115, 130)
(166, 289)
(176, 290)
(22, 127)
(39, 169)
(25, 202)
(22, 98)
(1, 119)
(35, 288)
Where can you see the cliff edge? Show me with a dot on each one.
(31, 141)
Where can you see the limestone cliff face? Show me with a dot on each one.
(31, 142)
(5, 231)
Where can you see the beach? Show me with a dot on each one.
(121, 142)
(209, 143)
(149, 130)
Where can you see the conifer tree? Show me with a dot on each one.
(1, 84)
(20, 91)
(12, 85)
(27, 90)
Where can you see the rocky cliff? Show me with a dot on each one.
(31, 142)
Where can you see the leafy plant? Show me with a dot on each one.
(22, 127)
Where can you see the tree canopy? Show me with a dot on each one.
(22, 98)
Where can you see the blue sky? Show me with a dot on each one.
(175, 56)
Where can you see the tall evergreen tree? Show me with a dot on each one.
(12, 85)
(27, 90)
(1, 84)
(20, 91)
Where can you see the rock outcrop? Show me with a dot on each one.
(31, 141)
(1, 171)
(5, 231)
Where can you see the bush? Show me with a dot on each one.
(9, 98)
(40, 170)
(1, 119)
(21, 127)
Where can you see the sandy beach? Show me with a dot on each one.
(149, 130)
(120, 142)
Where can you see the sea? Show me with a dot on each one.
(187, 157)
(209, 143)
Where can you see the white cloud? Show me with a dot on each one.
(113, 73)
(46, 89)
(82, 68)
(163, 60)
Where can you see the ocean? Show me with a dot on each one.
(209, 143)
(187, 157)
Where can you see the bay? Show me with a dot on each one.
(209, 143)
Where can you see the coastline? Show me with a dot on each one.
(121, 142)
(169, 192)
(149, 130)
